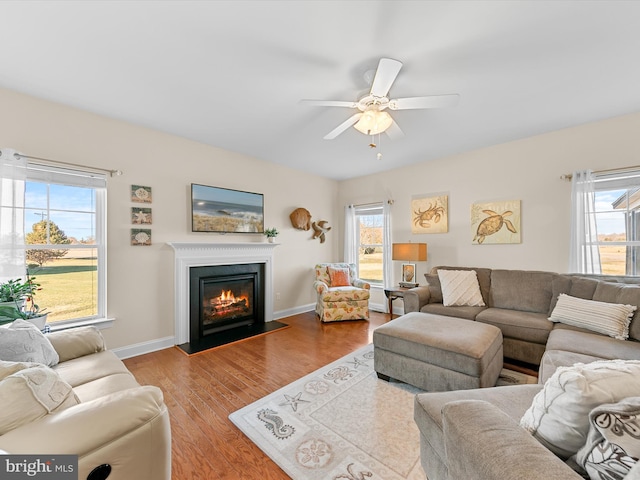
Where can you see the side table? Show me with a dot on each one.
(392, 294)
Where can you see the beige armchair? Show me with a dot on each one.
(106, 419)
(341, 296)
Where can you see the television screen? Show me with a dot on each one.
(222, 210)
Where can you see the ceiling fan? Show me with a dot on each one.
(372, 118)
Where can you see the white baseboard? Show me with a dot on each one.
(144, 347)
(294, 311)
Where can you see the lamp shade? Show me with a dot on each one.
(373, 122)
(409, 252)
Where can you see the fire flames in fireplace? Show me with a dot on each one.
(226, 305)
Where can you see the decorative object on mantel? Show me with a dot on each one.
(487, 220)
(271, 234)
(140, 194)
(409, 252)
(430, 214)
(301, 219)
(320, 229)
(141, 216)
(140, 237)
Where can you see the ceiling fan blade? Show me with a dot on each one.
(394, 132)
(385, 76)
(328, 103)
(342, 127)
(432, 101)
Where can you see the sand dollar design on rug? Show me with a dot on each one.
(275, 424)
(316, 387)
(314, 453)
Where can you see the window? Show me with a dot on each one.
(617, 219)
(64, 232)
(370, 238)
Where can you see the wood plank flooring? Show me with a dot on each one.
(202, 390)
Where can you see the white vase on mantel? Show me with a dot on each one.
(271, 239)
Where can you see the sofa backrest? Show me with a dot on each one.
(522, 290)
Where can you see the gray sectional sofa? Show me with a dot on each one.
(475, 434)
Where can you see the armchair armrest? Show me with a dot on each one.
(416, 298)
(77, 342)
(361, 284)
(320, 286)
(482, 443)
(129, 430)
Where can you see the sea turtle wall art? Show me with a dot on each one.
(496, 222)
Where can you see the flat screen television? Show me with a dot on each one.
(222, 210)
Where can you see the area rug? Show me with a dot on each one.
(341, 422)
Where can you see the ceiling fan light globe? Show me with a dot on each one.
(373, 122)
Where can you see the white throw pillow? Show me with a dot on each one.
(23, 342)
(607, 318)
(31, 393)
(460, 288)
(559, 414)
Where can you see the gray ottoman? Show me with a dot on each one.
(438, 353)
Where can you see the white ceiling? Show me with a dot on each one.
(231, 73)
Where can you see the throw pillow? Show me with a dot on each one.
(607, 318)
(613, 443)
(23, 342)
(559, 414)
(435, 290)
(339, 277)
(460, 288)
(31, 393)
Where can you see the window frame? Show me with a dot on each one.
(367, 210)
(77, 177)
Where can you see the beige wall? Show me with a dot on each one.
(140, 279)
(528, 170)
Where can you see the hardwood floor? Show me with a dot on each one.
(202, 390)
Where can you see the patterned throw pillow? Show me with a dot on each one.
(460, 288)
(339, 277)
(22, 341)
(613, 443)
(559, 414)
(607, 318)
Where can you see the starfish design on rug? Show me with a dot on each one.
(275, 424)
(357, 363)
(351, 475)
(293, 401)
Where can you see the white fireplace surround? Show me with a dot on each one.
(189, 255)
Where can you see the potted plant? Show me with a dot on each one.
(271, 233)
(17, 301)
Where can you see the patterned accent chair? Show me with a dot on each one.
(338, 300)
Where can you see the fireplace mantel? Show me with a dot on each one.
(201, 254)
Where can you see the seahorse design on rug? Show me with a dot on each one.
(274, 423)
(351, 475)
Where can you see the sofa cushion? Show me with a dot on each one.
(468, 313)
(345, 294)
(77, 342)
(559, 414)
(435, 289)
(528, 326)
(613, 442)
(460, 288)
(107, 385)
(521, 290)
(22, 341)
(594, 344)
(553, 359)
(625, 294)
(31, 393)
(602, 317)
(90, 367)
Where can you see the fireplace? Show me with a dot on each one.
(229, 262)
(223, 297)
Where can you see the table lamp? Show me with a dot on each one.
(409, 252)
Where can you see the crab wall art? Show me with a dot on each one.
(497, 222)
(430, 214)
